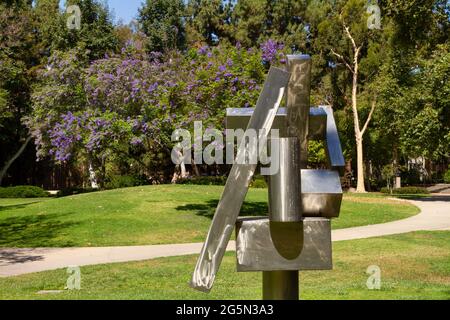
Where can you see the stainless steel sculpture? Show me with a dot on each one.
(296, 235)
(237, 184)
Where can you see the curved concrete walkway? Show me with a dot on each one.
(435, 215)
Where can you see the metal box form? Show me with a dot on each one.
(261, 248)
(321, 193)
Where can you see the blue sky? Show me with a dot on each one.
(122, 9)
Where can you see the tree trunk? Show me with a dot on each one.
(175, 176)
(14, 158)
(195, 168)
(348, 174)
(92, 177)
(359, 133)
(182, 167)
(368, 173)
(182, 175)
(360, 187)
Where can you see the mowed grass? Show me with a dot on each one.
(151, 215)
(6, 204)
(413, 266)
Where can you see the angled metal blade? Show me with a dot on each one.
(237, 184)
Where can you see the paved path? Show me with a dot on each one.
(435, 215)
(442, 188)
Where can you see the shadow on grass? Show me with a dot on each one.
(33, 231)
(16, 206)
(13, 256)
(208, 208)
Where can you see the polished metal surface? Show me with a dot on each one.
(237, 118)
(262, 245)
(317, 124)
(280, 285)
(284, 187)
(286, 206)
(334, 151)
(321, 126)
(237, 184)
(298, 101)
(321, 193)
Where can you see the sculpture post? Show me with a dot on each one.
(285, 187)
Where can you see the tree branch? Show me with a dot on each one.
(343, 60)
(356, 49)
(374, 102)
(347, 31)
(13, 158)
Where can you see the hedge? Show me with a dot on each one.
(23, 192)
(257, 182)
(204, 180)
(447, 176)
(406, 190)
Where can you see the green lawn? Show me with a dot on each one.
(413, 266)
(6, 204)
(151, 215)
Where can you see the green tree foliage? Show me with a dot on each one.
(29, 33)
(96, 33)
(413, 116)
(17, 58)
(401, 83)
(208, 22)
(282, 20)
(50, 26)
(97, 30)
(162, 22)
(425, 127)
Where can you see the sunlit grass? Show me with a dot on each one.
(413, 266)
(151, 215)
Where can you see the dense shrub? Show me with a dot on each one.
(406, 190)
(205, 180)
(258, 182)
(447, 176)
(412, 176)
(385, 190)
(23, 192)
(375, 184)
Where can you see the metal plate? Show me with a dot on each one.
(322, 126)
(298, 102)
(262, 247)
(237, 118)
(333, 149)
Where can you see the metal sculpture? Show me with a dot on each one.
(296, 235)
